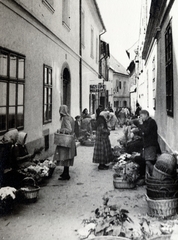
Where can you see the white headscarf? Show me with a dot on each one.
(63, 110)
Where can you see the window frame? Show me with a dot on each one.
(15, 81)
(47, 86)
(49, 4)
(169, 71)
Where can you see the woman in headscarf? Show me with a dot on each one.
(65, 155)
(102, 150)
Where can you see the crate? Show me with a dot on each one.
(162, 208)
(63, 140)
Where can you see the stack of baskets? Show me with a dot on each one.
(162, 187)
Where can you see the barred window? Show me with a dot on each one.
(47, 94)
(169, 71)
(12, 84)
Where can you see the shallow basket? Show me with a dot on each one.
(30, 191)
(119, 183)
(30, 194)
(162, 208)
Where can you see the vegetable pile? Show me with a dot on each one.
(126, 169)
(39, 169)
(6, 192)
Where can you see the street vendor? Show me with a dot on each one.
(65, 155)
(149, 129)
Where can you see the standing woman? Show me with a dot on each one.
(102, 150)
(64, 155)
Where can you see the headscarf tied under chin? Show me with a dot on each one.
(63, 110)
(22, 136)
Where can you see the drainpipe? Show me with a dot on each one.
(80, 53)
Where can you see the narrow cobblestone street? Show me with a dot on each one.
(62, 206)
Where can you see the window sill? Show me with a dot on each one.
(46, 122)
(48, 5)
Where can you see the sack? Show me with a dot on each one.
(63, 140)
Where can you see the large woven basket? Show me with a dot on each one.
(167, 163)
(158, 174)
(163, 193)
(160, 185)
(162, 208)
(119, 183)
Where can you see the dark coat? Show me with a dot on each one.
(149, 132)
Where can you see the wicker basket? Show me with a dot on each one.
(162, 237)
(162, 208)
(161, 194)
(166, 180)
(119, 183)
(158, 174)
(159, 186)
(166, 163)
(63, 140)
(30, 191)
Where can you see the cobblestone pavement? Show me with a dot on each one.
(62, 205)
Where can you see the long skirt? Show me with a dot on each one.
(102, 150)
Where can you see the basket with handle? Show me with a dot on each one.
(162, 208)
(30, 190)
(63, 140)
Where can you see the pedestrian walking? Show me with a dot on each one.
(77, 127)
(65, 155)
(102, 149)
(138, 109)
(122, 117)
(149, 129)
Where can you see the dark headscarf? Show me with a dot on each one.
(101, 120)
